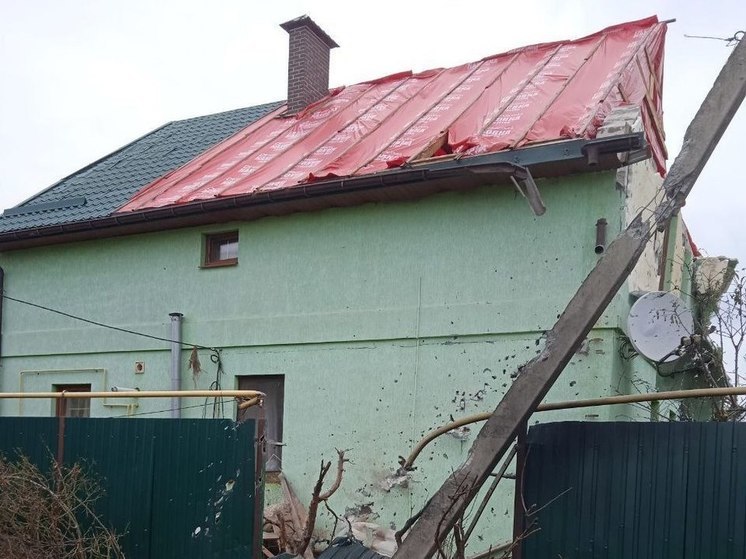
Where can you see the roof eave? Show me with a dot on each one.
(407, 183)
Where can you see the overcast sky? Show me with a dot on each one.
(80, 78)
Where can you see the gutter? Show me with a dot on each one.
(417, 180)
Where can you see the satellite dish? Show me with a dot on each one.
(656, 323)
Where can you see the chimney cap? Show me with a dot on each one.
(305, 21)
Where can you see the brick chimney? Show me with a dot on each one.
(308, 62)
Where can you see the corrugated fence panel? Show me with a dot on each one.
(178, 488)
(208, 501)
(643, 490)
(119, 453)
(35, 437)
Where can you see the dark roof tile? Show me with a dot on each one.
(341, 548)
(348, 548)
(111, 181)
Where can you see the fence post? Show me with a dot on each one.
(259, 481)
(61, 437)
(519, 514)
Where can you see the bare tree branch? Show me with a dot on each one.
(318, 497)
(51, 516)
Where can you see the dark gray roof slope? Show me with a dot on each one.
(341, 548)
(103, 186)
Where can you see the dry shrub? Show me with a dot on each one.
(50, 516)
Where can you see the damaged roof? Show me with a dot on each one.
(530, 111)
(532, 95)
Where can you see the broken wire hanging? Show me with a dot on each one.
(218, 406)
(729, 41)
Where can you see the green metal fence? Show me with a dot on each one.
(186, 488)
(642, 490)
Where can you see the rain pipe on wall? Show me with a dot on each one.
(175, 361)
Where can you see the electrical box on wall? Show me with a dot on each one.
(139, 367)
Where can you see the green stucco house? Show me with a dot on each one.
(376, 258)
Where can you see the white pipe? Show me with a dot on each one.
(175, 362)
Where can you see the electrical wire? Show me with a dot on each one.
(218, 409)
(218, 404)
(223, 400)
(729, 41)
(101, 324)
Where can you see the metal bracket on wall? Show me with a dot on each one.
(530, 191)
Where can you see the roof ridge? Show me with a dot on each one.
(219, 113)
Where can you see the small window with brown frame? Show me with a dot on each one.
(220, 249)
(73, 407)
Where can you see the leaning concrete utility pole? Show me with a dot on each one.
(448, 504)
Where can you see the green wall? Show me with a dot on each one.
(385, 319)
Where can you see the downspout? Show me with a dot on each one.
(175, 361)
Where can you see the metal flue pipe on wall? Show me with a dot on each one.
(175, 338)
(600, 236)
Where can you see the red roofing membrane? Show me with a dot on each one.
(531, 95)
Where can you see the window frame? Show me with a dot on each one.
(61, 404)
(211, 249)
